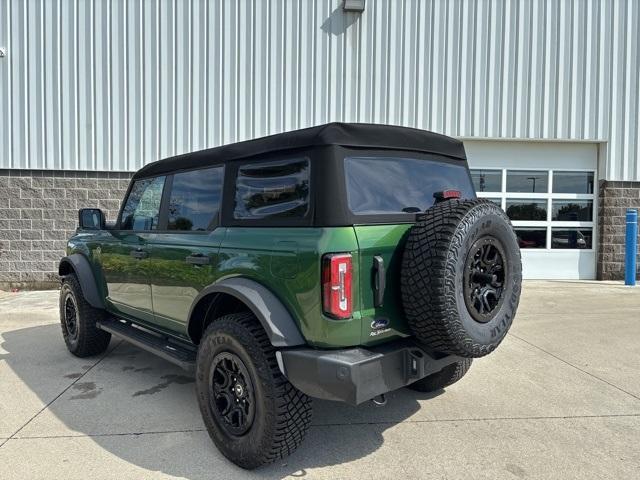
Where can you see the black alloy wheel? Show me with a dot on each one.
(484, 278)
(232, 397)
(79, 320)
(71, 316)
(460, 277)
(251, 411)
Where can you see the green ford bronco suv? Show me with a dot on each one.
(339, 262)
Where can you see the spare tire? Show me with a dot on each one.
(461, 277)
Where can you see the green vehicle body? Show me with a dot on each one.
(280, 269)
(363, 188)
(159, 291)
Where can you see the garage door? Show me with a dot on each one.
(548, 191)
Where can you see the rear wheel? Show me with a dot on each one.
(251, 411)
(442, 379)
(78, 321)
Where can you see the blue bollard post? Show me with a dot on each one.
(631, 249)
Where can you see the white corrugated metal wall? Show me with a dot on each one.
(111, 85)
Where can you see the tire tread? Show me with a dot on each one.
(428, 276)
(293, 409)
(91, 340)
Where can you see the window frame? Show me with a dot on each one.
(229, 193)
(548, 196)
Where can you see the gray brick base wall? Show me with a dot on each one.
(614, 199)
(39, 212)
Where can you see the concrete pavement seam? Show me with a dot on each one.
(487, 419)
(575, 366)
(445, 420)
(117, 434)
(106, 354)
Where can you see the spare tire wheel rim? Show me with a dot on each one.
(484, 275)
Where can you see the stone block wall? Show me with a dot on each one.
(39, 212)
(614, 199)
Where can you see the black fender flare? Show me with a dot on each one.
(272, 314)
(79, 265)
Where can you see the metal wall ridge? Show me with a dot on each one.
(113, 84)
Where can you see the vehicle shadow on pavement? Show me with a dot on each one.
(144, 411)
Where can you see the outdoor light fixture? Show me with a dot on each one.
(3, 52)
(353, 5)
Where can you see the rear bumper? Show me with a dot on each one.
(356, 375)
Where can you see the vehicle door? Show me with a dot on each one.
(184, 254)
(125, 258)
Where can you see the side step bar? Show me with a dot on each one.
(175, 352)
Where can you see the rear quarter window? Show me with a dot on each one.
(278, 189)
(195, 200)
(393, 185)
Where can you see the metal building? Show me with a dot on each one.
(545, 94)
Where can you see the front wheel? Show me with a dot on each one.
(78, 321)
(251, 411)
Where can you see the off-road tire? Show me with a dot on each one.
(435, 261)
(442, 379)
(86, 339)
(282, 413)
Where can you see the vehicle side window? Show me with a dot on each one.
(142, 208)
(195, 200)
(272, 190)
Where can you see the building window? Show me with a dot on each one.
(527, 209)
(572, 210)
(531, 237)
(487, 180)
(549, 209)
(572, 238)
(573, 182)
(527, 181)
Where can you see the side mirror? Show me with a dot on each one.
(91, 219)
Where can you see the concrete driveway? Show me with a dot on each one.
(559, 399)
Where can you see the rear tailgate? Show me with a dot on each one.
(384, 194)
(379, 322)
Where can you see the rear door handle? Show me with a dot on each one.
(379, 280)
(198, 259)
(138, 253)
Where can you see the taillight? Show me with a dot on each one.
(336, 285)
(446, 195)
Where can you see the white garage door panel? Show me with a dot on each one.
(541, 187)
(563, 265)
(548, 155)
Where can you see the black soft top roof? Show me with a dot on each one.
(362, 135)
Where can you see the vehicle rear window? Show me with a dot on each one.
(272, 190)
(195, 200)
(388, 185)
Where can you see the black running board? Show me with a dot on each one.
(175, 352)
